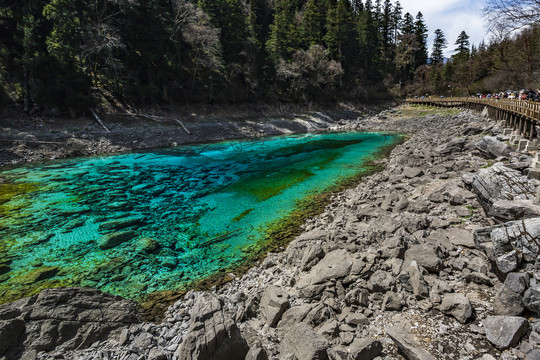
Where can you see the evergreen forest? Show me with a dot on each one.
(72, 55)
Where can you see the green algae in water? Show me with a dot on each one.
(205, 208)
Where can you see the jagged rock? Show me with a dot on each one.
(460, 237)
(412, 172)
(10, 333)
(359, 297)
(335, 265)
(295, 314)
(305, 344)
(157, 354)
(273, 304)
(212, 333)
(478, 278)
(407, 341)
(517, 282)
(531, 299)
(458, 306)
(507, 302)
(392, 248)
(356, 319)
(492, 148)
(508, 210)
(391, 301)
(501, 183)
(424, 256)
(365, 349)
(510, 244)
(380, 281)
(111, 240)
(256, 352)
(67, 318)
(505, 331)
(330, 329)
(311, 253)
(419, 286)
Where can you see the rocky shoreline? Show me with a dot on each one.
(26, 140)
(435, 257)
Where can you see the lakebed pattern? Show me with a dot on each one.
(134, 224)
(432, 258)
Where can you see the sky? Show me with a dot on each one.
(452, 17)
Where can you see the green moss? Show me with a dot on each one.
(10, 292)
(242, 215)
(269, 184)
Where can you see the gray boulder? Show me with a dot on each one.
(507, 302)
(256, 352)
(458, 306)
(10, 333)
(64, 318)
(335, 265)
(531, 299)
(416, 279)
(411, 172)
(212, 333)
(505, 331)
(492, 148)
(510, 244)
(365, 349)
(508, 210)
(425, 256)
(498, 183)
(391, 301)
(517, 282)
(304, 343)
(274, 302)
(408, 342)
(380, 281)
(460, 237)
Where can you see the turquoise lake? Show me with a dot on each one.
(132, 224)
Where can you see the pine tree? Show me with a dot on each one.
(228, 16)
(421, 31)
(369, 38)
(462, 50)
(284, 35)
(396, 20)
(313, 26)
(340, 38)
(407, 25)
(439, 44)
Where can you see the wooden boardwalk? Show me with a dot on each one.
(521, 115)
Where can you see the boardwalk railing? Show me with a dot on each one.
(521, 115)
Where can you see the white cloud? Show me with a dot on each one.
(452, 17)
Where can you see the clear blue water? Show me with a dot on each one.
(178, 215)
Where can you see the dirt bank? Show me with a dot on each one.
(26, 139)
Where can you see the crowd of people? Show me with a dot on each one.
(523, 94)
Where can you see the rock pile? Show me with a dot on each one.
(432, 258)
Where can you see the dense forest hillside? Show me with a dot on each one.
(74, 54)
(71, 55)
(511, 61)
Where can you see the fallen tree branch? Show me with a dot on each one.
(99, 120)
(183, 127)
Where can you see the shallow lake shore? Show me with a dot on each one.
(423, 260)
(26, 139)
